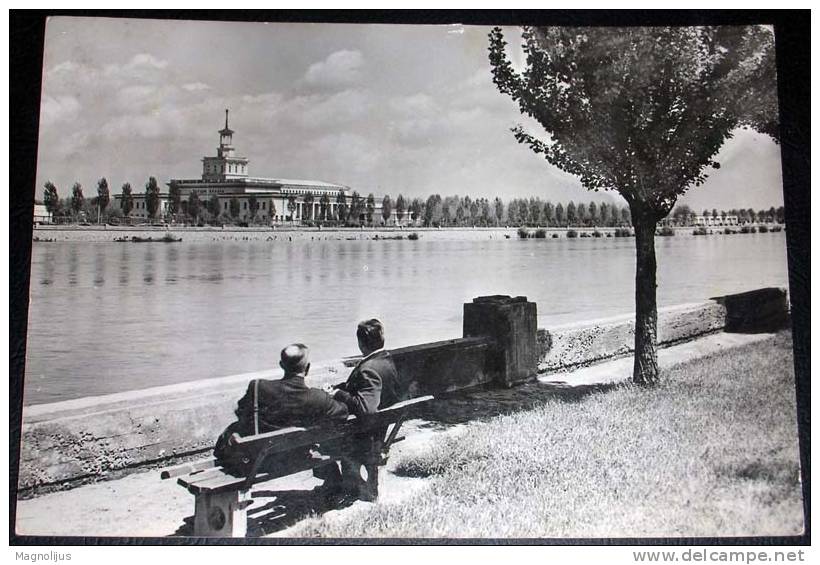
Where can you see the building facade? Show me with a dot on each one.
(716, 220)
(225, 176)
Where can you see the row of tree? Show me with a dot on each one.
(684, 215)
(433, 211)
(77, 205)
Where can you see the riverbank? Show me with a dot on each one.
(712, 451)
(544, 461)
(52, 234)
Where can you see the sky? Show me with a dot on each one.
(379, 108)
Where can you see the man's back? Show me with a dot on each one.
(373, 384)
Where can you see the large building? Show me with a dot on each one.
(226, 177)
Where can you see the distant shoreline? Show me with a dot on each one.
(53, 233)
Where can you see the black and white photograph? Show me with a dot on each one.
(316, 280)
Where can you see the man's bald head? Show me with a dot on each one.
(294, 359)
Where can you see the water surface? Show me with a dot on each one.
(110, 317)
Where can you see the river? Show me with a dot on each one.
(108, 317)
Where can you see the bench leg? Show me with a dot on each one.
(372, 483)
(223, 514)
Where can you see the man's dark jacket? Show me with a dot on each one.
(287, 402)
(373, 384)
(281, 404)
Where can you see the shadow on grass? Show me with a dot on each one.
(486, 403)
(276, 510)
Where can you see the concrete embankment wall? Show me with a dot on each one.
(67, 443)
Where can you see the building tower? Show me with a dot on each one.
(226, 165)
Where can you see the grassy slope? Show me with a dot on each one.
(712, 451)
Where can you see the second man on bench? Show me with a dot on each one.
(372, 385)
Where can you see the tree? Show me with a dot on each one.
(604, 214)
(253, 207)
(174, 199)
(127, 199)
(433, 210)
(626, 216)
(446, 213)
(643, 111)
(535, 210)
(355, 207)
(594, 217)
(77, 198)
(460, 214)
(499, 210)
(486, 211)
(560, 218)
(103, 195)
(213, 206)
(233, 208)
(387, 209)
(582, 214)
(341, 207)
(548, 214)
(291, 206)
(324, 206)
(572, 216)
(371, 208)
(780, 215)
(474, 212)
(194, 205)
(152, 197)
(416, 208)
(401, 207)
(308, 200)
(50, 198)
(681, 214)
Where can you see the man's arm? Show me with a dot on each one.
(364, 397)
(334, 409)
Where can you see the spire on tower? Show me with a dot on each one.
(226, 118)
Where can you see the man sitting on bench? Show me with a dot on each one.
(270, 405)
(372, 385)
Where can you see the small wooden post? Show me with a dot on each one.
(221, 514)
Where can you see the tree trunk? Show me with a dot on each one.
(645, 370)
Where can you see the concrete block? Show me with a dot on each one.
(512, 322)
(761, 310)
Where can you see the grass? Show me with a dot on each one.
(712, 451)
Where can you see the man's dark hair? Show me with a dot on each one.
(295, 358)
(371, 333)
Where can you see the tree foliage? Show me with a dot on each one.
(233, 207)
(103, 194)
(50, 198)
(151, 197)
(643, 111)
(127, 199)
(174, 199)
(77, 198)
(640, 110)
(387, 208)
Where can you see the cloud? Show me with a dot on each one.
(59, 109)
(349, 152)
(339, 69)
(195, 86)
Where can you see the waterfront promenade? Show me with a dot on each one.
(143, 505)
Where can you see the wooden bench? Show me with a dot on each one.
(222, 493)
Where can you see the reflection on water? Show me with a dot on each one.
(108, 317)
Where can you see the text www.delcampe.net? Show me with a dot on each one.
(715, 555)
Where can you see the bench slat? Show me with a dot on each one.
(205, 477)
(187, 468)
(290, 438)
